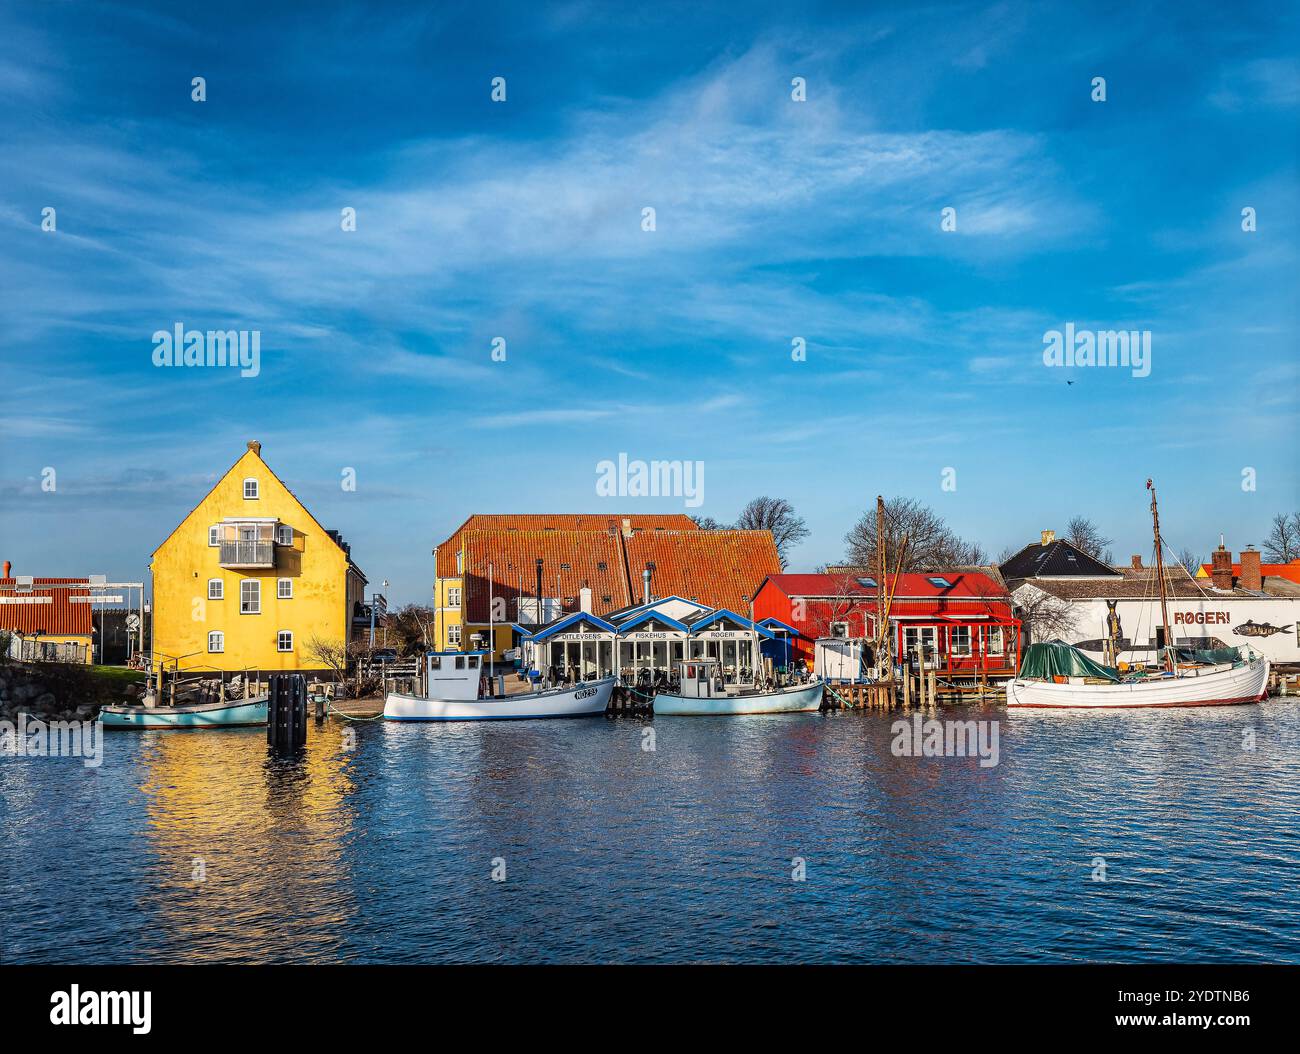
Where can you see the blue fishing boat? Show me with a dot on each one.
(228, 713)
(702, 692)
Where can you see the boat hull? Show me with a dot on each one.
(580, 700)
(800, 700)
(1232, 686)
(233, 713)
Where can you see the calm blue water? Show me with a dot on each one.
(383, 853)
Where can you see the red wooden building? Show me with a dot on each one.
(962, 620)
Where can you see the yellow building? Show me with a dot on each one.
(249, 578)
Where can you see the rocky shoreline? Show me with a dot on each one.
(57, 691)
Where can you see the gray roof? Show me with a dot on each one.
(1140, 583)
(1056, 559)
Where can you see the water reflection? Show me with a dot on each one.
(201, 847)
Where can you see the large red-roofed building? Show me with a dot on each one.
(962, 619)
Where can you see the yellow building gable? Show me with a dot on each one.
(249, 578)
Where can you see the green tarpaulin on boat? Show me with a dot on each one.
(1057, 659)
(1212, 656)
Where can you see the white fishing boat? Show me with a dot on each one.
(458, 691)
(703, 692)
(1055, 674)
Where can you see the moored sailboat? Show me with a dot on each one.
(1055, 674)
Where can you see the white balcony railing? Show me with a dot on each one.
(247, 554)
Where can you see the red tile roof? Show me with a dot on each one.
(579, 558)
(604, 523)
(965, 584)
(1290, 571)
(719, 568)
(59, 616)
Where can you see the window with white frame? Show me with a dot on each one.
(250, 488)
(284, 588)
(284, 640)
(283, 534)
(453, 635)
(216, 589)
(214, 535)
(959, 640)
(250, 597)
(453, 596)
(995, 645)
(216, 641)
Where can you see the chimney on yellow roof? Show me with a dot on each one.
(255, 447)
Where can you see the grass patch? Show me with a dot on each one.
(118, 675)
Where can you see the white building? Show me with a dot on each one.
(1061, 592)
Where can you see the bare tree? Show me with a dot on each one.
(1043, 616)
(332, 654)
(1190, 561)
(1086, 536)
(708, 523)
(413, 627)
(931, 543)
(778, 516)
(1283, 542)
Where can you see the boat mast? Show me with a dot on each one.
(1160, 574)
(883, 664)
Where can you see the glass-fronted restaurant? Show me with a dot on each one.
(642, 642)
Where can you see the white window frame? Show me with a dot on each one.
(280, 585)
(256, 583)
(257, 489)
(453, 634)
(220, 594)
(953, 649)
(214, 535)
(280, 640)
(453, 596)
(220, 641)
(1001, 648)
(281, 531)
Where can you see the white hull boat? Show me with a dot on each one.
(703, 694)
(1226, 684)
(455, 695)
(1056, 674)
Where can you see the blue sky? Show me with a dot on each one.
(775, 219)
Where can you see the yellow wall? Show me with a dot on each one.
(183, 616)
(449, 616)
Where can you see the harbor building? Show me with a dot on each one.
(501, 576)
(958, 622)
(1064, 593)
(46, 619)
(249, 578)
(641, 642)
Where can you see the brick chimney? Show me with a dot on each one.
(8, 566)
(1251, 578)
(1135, 562)
(255, 447)
(1221, 567)
(1048, 537)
